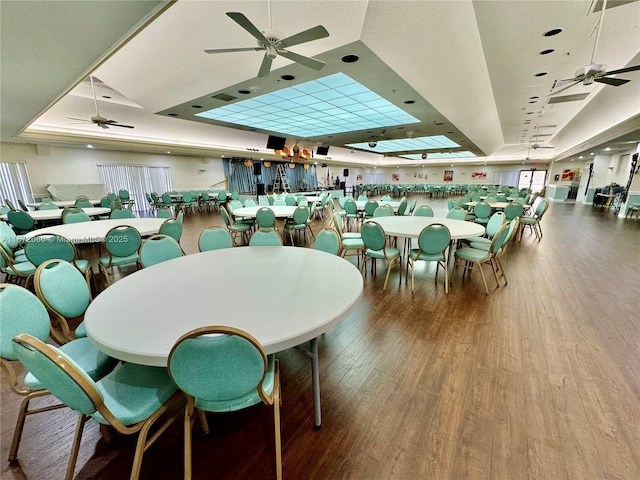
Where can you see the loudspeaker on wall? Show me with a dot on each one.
(345, 172)
(257, 168)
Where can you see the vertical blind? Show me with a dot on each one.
(14, 183)
(137, 179)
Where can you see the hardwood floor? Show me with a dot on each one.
(538, 380)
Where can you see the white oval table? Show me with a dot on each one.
(280, 211)
(56, 214)
(61, 203)
(266, 292)
(96, 231)
(411, 226)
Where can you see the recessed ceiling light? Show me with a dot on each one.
(608, 149)
(196, 106)
(553, 32)
(244, 92)
(89, 146)
(287, 77)
(541, 74)
(573, 159)
(533, 98)
(350, 58)
(530, 113)
(409, 102)
(172, 114)
(580, 157)
(533, 101)
(547, 52)
(438, 123)
(592, 153)
(106, 96)
(168, 152)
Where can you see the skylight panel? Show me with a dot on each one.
(421, 143)
(333, 104)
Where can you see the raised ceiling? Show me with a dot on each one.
(469, 67)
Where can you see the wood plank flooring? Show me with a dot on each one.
(538, 380)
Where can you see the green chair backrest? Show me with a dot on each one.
(46, 246)
(337, 223)
(235, 195)
(499, 239)
(494, 224)
(20, 220)
(83, 204)
(350, 207)
(105, 202)
(434, 239)
(55, 370)
(250, 202)
(265, 237)
(222, 196)
(370, 207)
(482, 210)
(48, 206)
(423, 211)
(62, 287)
(328, 241)
(8, 235)
(373, 236)
(265, 217)
(20, 312)
(300, 215)
(541, 209)
(158, 248)
(234, 204)
(214, 238)
(221, 372)
(124, 194)
(75, 217)
(122, 213)
(403, 206)
(163, 213)
(513, 210)
(122, 241)
(457, 213)
(383, 211)
(172, 227)
(290, 200)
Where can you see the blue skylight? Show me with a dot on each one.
(435, 156)
(407, 144)
(333, 104)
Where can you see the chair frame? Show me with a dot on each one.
(274, 399)
(142, 427)
(390, 261)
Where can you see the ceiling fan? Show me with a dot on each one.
(273, 45)
(98, 119)
(594, 72)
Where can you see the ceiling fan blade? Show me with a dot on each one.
(120, 125)
(616, 82)
(229, 50)
(245, 23)
(84, 120)
(308, 35)
(265, 67)
(302, 60)
(623, 70)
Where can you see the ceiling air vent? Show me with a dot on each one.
(224, 97)
(569, 98)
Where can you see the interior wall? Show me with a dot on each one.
(67, 165)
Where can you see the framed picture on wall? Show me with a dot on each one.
(395, 177)
(448, 176)
(556, 178)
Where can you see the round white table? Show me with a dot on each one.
(393, 204)
(96, 231)
(56, 214)
(496, 205)
(280, 211)
(411, 226)
(61, 203)
(266, 292)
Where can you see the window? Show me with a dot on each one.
(137, 179)
(14, 183)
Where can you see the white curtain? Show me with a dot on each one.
(137, 180)
(14, 183)
(506, 178)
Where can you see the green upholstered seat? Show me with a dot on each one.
(214, 238)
